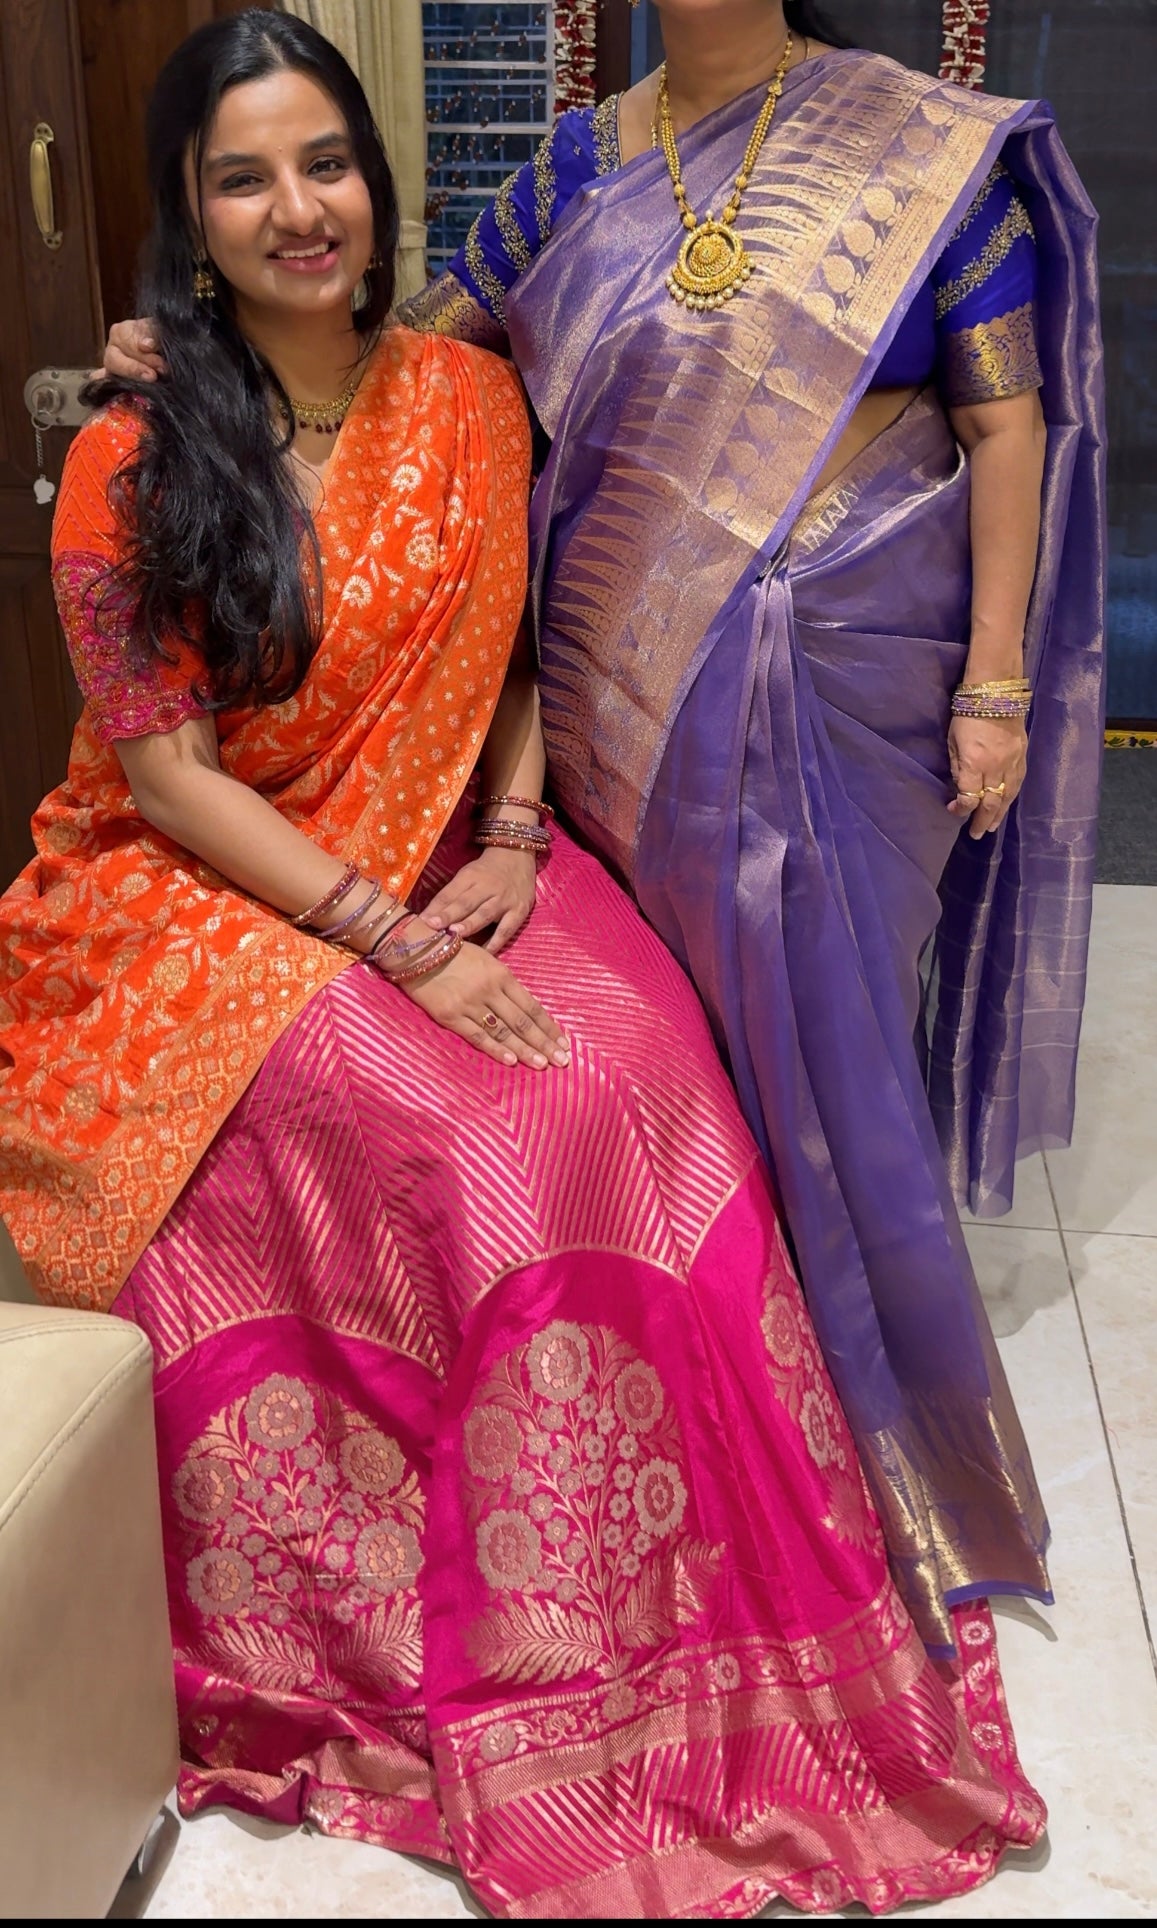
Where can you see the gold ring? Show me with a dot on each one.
(995, 789)
(491, 1022)
(974, 794)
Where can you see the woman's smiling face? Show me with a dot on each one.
(284, 211)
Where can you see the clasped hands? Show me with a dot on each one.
(475, 995)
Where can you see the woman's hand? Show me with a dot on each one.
(986, 753)
(131, 352)
(497, 888)
(482, 1001)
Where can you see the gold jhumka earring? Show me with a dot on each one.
(361, 293)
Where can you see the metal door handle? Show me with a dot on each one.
(40, 183)
(52, 397)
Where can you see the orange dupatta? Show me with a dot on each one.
(139, 991)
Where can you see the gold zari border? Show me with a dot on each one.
(445, 307)
(995, 359)
(834, 242)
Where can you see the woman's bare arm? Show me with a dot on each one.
(179, 787)
(513, 757)
(1005, 444)
(132, 354)
(498, 888)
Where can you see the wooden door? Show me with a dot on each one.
(50, 315)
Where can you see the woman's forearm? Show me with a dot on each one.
(513, 757)
(181, 791)
(231, 827)
(1005, 442)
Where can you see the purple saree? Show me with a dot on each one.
(745, 693)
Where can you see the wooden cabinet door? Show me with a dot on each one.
(49, 317)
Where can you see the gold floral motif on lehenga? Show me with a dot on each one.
(300, 1527)
(797, 1371)
(577, 1497)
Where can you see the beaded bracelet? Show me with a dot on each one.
(355, 916)
(502, 826)
(399, 957)
(437, 955)
(393, 954)
(391, 912)
(511, 839)
(965, 704)
(1000, 697)
(342, 888)
(388, 939)
(545, 813)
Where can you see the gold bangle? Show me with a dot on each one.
(1006, 686)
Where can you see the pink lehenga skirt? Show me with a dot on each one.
(511, 1519)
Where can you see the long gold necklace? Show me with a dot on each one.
(713, 263)
(326, 417)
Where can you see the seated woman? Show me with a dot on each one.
(510, 1516)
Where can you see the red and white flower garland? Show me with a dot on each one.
(965, 26)
(574, 54)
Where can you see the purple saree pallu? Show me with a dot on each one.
(746, 692)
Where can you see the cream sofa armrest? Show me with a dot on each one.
(88, 1734)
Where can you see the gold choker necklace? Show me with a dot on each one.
(713, 263)
(325, 417)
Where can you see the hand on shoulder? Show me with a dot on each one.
(131, 353)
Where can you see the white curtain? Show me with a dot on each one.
(382, 40)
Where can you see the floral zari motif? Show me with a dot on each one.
(300, 1525)
(578, 1500)
(797, 1371)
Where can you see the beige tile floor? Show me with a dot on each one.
(1071, 1282)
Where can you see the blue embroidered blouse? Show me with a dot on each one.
(971, 326)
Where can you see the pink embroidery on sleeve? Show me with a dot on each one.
(124, 696)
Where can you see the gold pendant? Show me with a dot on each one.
(712, 266)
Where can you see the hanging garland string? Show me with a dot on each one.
(965, 26)
(574, 54)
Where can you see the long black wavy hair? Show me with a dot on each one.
(215, 523)
(804, 18)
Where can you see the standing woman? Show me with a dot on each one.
(785, 548)
(794, 504)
